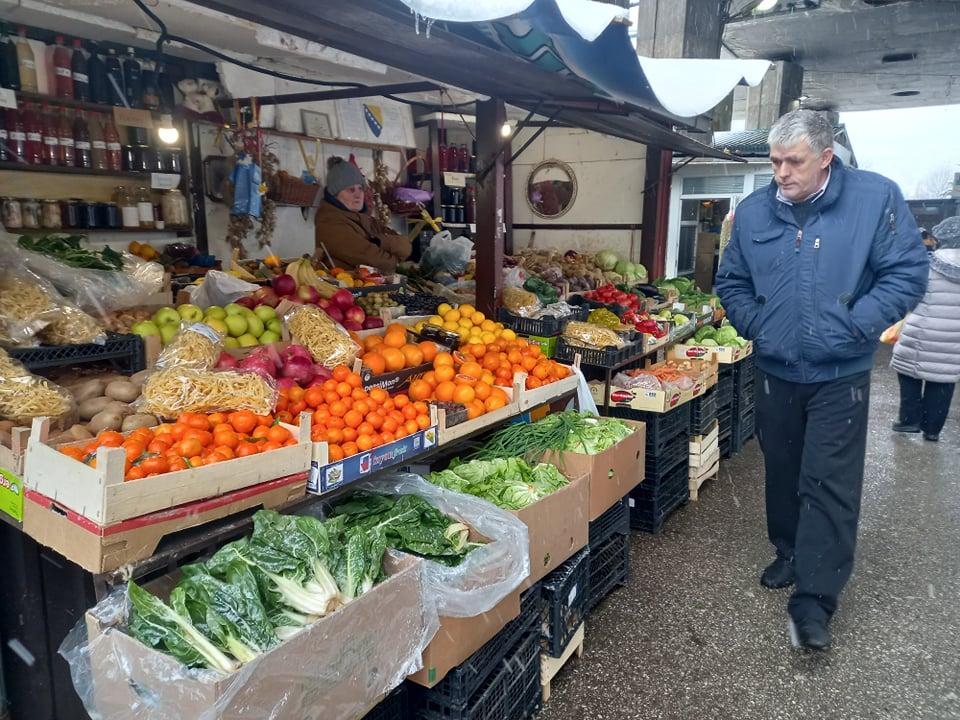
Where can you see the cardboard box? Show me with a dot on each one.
(547, 344)
(11, 474)
(459, 638)
(557, 526)
(336, 667)
(639, 399)
(612, 473)
(723, 355)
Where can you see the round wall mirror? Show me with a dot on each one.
(551, 189)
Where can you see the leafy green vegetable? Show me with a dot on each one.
(561, 431)
(597, 435)
(67, 249)
(506, 482)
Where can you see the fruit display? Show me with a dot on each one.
(372, 303)
(610, 294)
(194, 440)
(293, 365)
(145, 251)
(419, 303)
(468, 323)
(644, 323)
(394, 351)
(240, 326)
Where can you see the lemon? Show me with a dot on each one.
(419, 326)
(478, 318)
(465, 322)
(475, 331)
(487, 337)
(498, 326)
(436, 320)
(467, 309)
(508, 334)
(451, 315)
(443, 309)
(488, 326)
(463, 334)
(451, 326)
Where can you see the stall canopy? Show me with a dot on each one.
(471, 55)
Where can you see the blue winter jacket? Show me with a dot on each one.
(814, 299)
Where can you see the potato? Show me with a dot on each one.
(105, 420)
(89, 408)
(122, 390)
(118, 407)
(78, 432)
(88, 390)
(139, 420)
(141, 377)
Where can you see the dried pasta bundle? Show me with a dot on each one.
(28, 396)
(591, 336)
(11, 368)
(25, 308)
(73, 327)
(177, 390)
(197, 346)
(327, 341)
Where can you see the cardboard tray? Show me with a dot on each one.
(659, 401)
(724, 355)
(101, 495)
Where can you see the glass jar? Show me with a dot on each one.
(174, 207)
(129, 215)
(30, 212)
(50, 215)
(68, 214)
(88, 214)
(109, 215)
(10, 211)
(172, 160)
(144, 208)
(129, 159)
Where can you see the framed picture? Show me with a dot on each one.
(316, 124)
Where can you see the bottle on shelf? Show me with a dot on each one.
(51, 137)
(144, 208)
(131, 79)
(115, 92)
(79, 66)
(129, 215)
(443, 151)
(16, 137)
(33, 127)
(26, 63)
(150, 93)
(98, 147)
(62, 70)
(97, 72)
(4, 154)
(111, 138)
(473, 157)
(464, 159)
(9, 68)
(81, 139)
(68, 156)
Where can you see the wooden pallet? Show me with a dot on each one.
(702, 475)
(550, 666)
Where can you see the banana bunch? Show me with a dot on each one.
(302, 271)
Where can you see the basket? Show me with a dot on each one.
(398, 205)
(285, 189)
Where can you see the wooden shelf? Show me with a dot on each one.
(87, 231)
(66, 102)
(62, 170)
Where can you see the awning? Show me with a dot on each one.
(589, 40)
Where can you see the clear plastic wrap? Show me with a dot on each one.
(219, 288)
(24, 397)
(446, 254)
(592, 336)
(197, 346)
(645, 381)
(520, 302)
(26, 306)
(176, 390)
(73, 327)
(326, 340)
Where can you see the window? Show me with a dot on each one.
(713, 185)
(761, 181)
(687, 252)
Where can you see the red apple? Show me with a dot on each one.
(352, 325)
(355, 313)
(308, 294)
(284, 284)
(334, 312)
(248, 302)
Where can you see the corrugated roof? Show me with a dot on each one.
(745, 143)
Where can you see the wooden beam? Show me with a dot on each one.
(342, 94)
(656, 210)
(491, 115)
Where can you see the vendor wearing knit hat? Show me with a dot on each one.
(351, 235)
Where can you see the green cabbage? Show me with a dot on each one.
(606, 260)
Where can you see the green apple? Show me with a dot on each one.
(145, 328)
(265, 312)
(219, 325)
(254, 325)
(190, 313)
(275, 326)
(247, 340)
(269, 337)
(234, 309)
(230, 342)
(216, 312)
(236, 325)
(168, 332)
(166, 316)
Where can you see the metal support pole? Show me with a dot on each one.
(490, 207)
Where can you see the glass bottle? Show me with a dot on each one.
(150, 97)
(26, 63)
(9, 68)
(81, 138)
(33, 127)
(50, 217)
(51, 137)
(129, 216)
(144, 208)
(62, 70)
(97, 71)
(68, 156)
(131, 79)
(114, 79)
(111, 138)
(4, 153)
(16, 137)
(81, 72)
(98, 147)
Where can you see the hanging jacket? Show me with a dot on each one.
(814, 299)
(929, 344)
(356, 238)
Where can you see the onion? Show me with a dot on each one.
(371, 322)
(334, 312)
(284, 284)
(321, 372)
(294, 351)
(260, 365)
(298, 369)
(286, 383)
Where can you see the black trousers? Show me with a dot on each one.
(924, 404)
(814, 440)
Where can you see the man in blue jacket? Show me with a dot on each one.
(818, 265)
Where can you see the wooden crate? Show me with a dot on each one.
(101, 495)
(704, 458)
(550, 666)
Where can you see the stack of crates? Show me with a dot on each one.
(666, 484)
(393, 707)
(724, 392)
(609, 553)
(501, 680)
(703, 411)
(744, 404)
(565, 594)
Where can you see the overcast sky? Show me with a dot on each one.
(907, 146)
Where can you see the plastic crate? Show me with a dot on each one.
(661, 427)
(743, 429)
(609, 569)
(726, 447)
(544, 327)
(664, 463)
(124, 352)
(607, 358)
(703, 411)
(650, 514)
(565, 593)
(394, 706)
(614, 521)
(463, 682)
(725, 419)
(523, 679)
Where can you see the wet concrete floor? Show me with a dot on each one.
(694, 636)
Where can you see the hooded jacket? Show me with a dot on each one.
(929, 344)
(814, 299)
(357, 238)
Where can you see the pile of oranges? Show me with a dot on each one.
(393, 352)
(350, 419)
(194, 440)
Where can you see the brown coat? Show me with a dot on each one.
(349, 238)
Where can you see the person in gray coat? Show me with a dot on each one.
(927, 355)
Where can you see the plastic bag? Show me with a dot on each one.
(591, 336)
(644, 381)
(27, 305)
(891, 335)
(520, 302)
(514, 277)
(196, 346)
(446, 254)
(557, 309)
(73, 327)
(219, 288)
(585, 401)
(24, 397)
(180, 389)
(326, 340)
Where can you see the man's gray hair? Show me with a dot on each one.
(807, 126)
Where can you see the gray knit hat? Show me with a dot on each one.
(947, 233)
(341, 175)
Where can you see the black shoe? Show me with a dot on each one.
(809, 634)
(932, 437)
(905, 428)
(779, 574)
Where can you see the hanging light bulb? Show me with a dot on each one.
(166, 131)
(506, 130)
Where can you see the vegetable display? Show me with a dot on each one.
(724, 336)
(509, 483)
(68, 250)
(567, 431)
